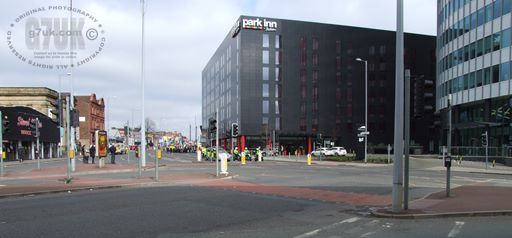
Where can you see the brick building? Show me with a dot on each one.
(92, 117)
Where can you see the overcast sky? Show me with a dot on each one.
(181, 36)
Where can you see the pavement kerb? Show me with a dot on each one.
(98, 187)
(441, 214)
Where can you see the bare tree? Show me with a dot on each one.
(150, 125)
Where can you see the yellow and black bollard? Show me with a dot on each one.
(493, 163)
(243, 159)
(309, 159)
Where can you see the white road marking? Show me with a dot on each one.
(456, 229)
(368, 234)
(314, 232)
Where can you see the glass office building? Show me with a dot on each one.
(473, 73)
(297, 85)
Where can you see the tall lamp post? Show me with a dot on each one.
(365, 108)
(143, 120)
(109, 98)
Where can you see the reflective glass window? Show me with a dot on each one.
(496, 41)
(487, 76)
(479, 78)
(265, 57)
(265, 92)
(497, 9)
(278, 41)
(505, 38)
(505, 71)
(265, 73)
(495, 73)
(278, 74)
(265, 107)
(265, 40)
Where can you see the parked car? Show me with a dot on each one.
(319, 151)
(224, 154)
(267, 152)
(336, 151)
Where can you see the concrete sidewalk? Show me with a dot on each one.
(321, 161)
(53, 179)
(481, 200)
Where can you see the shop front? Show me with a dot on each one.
(20, 141)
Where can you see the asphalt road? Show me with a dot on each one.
(189, 211)
(184, 211)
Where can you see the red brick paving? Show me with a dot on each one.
(302, 193)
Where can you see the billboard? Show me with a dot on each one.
(101, 143)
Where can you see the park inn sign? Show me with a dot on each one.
(254, 24)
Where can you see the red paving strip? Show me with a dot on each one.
(303, 193)
(475, 198)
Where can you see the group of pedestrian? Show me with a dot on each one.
(91, 152)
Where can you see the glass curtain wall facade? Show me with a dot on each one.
(474, 72)
(294, 85)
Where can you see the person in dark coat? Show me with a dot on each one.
(92, 152)
(112, 150)
(84, 156)
(21, 154)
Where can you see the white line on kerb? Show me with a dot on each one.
(314, 232)
(456, 229)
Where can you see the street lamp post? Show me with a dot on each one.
(109, 98)
(365, 108)
(143, 122)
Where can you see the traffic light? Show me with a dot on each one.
(34, 126)
(5, 125)
(74, 118)
(234, 129)
(57, 111)
(213, 125)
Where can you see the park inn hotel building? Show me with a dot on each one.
(299, 82)
(474, 70)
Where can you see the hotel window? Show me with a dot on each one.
(265, 74)
(278, 123)
(278, 41)
(278, 109)
(315, 59)
(349, 110)
(303, 76)
(265, 90)
(338, 47)
(278, 92)
(265, 107)
(265, 57)
(278, 74)
(338, 62)
(278, 57)
(315, 76)
(265, 40)
(315, 44)
(303, 93)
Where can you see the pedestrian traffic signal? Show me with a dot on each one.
(234, 129)
(57, 111)
(484, 139)
(5, 125)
